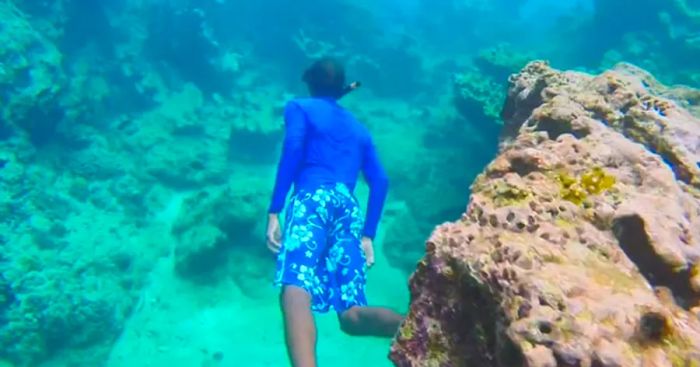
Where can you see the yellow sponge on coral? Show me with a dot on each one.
(593, 182)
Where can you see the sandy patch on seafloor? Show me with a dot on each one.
(181, 324)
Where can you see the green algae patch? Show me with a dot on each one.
(551, 258)
(678, 348)
(437, 350)
(610, 276)
(407, 331)
(617, 280)
(564, 224)
(504, 194)
(568, 329)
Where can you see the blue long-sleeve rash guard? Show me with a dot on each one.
(325, 144)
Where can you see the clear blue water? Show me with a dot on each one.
(138, 142)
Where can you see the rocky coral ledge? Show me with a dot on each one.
(581, 242)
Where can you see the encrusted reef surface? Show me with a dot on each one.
(580, 245)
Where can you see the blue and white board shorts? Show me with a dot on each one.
(322, 248)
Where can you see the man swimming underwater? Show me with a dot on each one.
(326, 245)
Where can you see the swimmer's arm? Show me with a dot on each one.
(290, 160)
(378, 183)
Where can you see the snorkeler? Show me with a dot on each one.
(326, 245)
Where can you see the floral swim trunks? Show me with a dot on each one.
(321, 248)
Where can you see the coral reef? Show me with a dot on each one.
(660, 36)
(581, 241)
(478, 97)
(56, 296)
(480, 90)
(501, 60)
(30, 75)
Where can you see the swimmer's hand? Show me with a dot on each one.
(368, 248)
(273, 235)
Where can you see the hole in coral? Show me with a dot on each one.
(523, 166)
(554, 128)
(624, 109)
(524, 310)
(545, 327)
(581, 132)
(631, 233)
(510, 216)
(654, 326)
(493, 220)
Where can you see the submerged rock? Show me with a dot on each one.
(581, 242)
(218, 236)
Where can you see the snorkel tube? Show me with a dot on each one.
(326, 77)
(349, 88)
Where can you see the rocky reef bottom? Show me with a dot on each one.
(580, 245)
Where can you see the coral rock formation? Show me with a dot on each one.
(30, 76)
(217, 235)
(581, 242)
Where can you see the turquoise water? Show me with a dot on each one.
(138, 143)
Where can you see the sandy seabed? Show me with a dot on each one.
(178, 323)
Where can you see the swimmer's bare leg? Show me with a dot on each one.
(299, 326)
(370, 321)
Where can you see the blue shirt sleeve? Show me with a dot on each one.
(292, 153)
(378, 183)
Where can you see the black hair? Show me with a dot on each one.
(325, 78)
